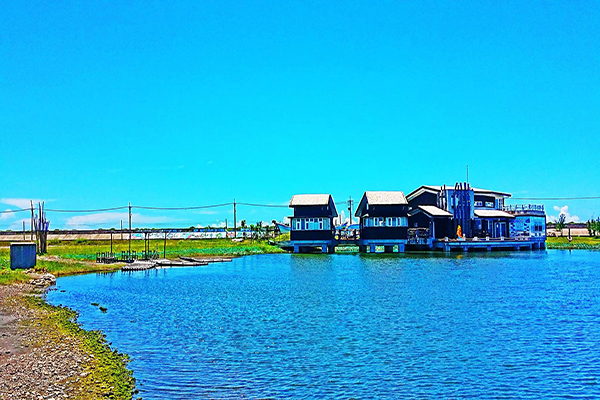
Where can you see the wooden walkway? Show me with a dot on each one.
(164, 263)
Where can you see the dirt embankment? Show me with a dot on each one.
(40, 359)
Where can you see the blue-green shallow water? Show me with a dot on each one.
(500, 325)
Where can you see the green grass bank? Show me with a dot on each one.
(577, 243)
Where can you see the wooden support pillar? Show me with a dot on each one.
(296, 248)
(165, 247)
(373, 248)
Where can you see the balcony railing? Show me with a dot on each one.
(524, 208)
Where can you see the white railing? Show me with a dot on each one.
(522, 208)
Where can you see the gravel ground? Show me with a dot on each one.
(37, 360)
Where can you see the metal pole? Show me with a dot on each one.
(234, 221)
(121, 229)
(24, 238)
(350, 209)
(129, 227)
(31, 225)
(165, 247)
(111, 242)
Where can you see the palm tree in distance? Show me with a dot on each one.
(259, 229)
(560, 223)
(243, 226)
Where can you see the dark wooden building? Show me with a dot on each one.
(437, 221)
(312, 223)
(383, 220)
(479, 212)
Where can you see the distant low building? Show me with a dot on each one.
(312, 223)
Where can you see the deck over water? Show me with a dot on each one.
(509, 244)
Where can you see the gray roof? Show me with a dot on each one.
(436, 189)
(492, 214)
(386, 198)
(310, 200)
(380, 198)
(435, 211)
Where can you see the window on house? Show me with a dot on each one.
(479, 204)
(489, 204)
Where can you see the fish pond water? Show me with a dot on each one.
(490, 325)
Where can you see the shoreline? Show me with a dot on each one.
(46, 354)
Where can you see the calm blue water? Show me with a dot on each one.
(520, 325)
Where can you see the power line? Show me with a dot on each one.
(264, 205)
(88, 211)
(183, 208)
(15, 211)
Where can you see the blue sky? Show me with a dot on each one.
(198, 103)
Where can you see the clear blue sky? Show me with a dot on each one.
(193, 103)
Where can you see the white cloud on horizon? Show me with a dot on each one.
(22, 203)
(7, 215)
(565, 210)
(206, 212)
(18, 224)
(94, 220)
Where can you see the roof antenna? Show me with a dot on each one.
(467, 173)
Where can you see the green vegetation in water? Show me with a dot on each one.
(95, 304)
(103, 309)
(110, 366)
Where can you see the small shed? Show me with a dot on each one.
(312, 222)
(438, 221)
(383, 220)
(22, 255)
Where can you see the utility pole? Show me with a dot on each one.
(350, 204)
(234, 221)
(31, 222)
(129, 227)
(121, 229)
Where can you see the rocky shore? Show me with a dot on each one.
(44, 355)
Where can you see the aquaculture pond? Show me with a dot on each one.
(489, 325)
